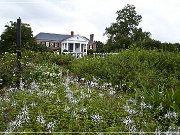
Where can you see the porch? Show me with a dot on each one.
(74, 48)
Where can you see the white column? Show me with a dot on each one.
(62, 47)
(67, 46)
(73, 47)
(86, 48)
(80, 47)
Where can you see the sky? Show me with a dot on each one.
(159, 17)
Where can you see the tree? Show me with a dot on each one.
(8, 37)
(99, 46)
(40, 48)
(139, 35)
(125, 31)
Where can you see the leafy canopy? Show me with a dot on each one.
(8, 37)
(99, 46)
(125, 30)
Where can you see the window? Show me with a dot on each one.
(70, 47)
(56, 44)
(47, 44)
(51, 44)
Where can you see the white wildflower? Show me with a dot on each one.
(134, 101)
(11, 90)
(51, 126)
(34, 85)
(6, 99)
(127, 121)
(143, 104)
(96, 118)
(132, 128)
(149, 106)
(51, 84)
(83, 110)
(141, 132)
(66, 108)
(101, 94)
(40, 119)
(157, 131)
(170, 115)
(129, 109)
(21, 118)
(22, 85)
(14, 103)
(112, 92)
(160, 107)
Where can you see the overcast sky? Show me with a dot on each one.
(160, 17)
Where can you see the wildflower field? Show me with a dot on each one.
(135, 91)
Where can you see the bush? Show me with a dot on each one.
(8, 69)
(145, 73)
(61, 60)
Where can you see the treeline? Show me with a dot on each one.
(157, 45)
(124, 33)
(149, 44)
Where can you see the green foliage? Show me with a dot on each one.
(40, 48)
(151, 44)
(99, 47)
(153, 75)
(8, 37)
(142, 93)
(124, 31)
(7, 68)
(147, 68)
(61, 60)
(50, 100)
(90, 52)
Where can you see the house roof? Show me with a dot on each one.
(51, 36)
(56, 37)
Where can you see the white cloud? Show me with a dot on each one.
(85, 17)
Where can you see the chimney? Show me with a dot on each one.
(91, 37)
(72, 33)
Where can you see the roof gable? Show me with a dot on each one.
(77, 38)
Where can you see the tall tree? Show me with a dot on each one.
(99, 46)
(8, 37)
(125, 30)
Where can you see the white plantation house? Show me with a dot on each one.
(74, 44)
